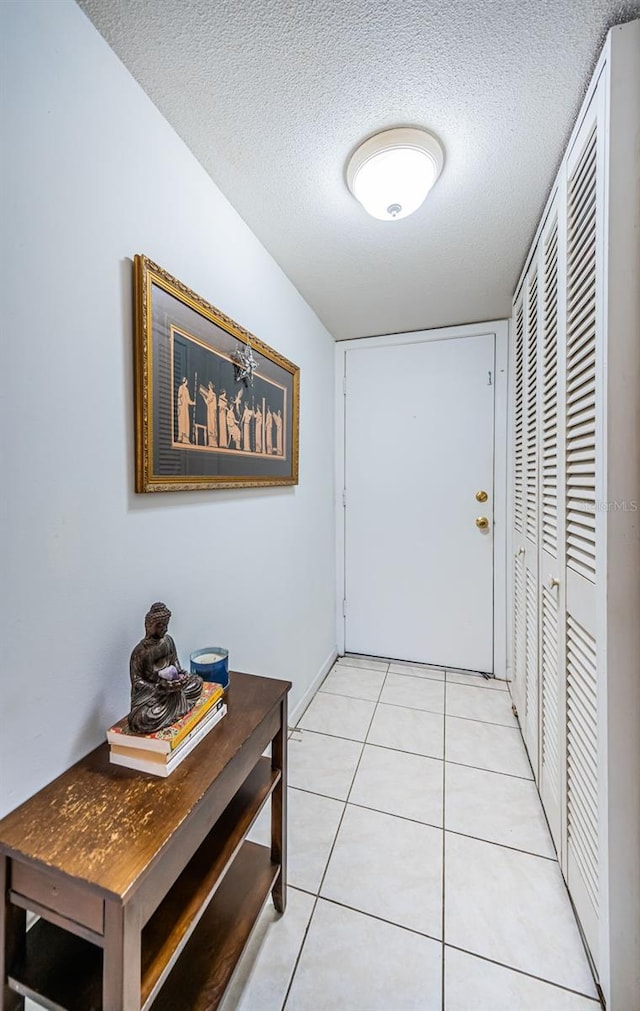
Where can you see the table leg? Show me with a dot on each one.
(121, 970)
(279, 811)
(13, 932)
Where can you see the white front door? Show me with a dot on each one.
(419, 421)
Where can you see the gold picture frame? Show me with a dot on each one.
(215, 407)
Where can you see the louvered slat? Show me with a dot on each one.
(519, 422)
(531, 654)
(550, 397)
(549, 668)
(581, 366)
(519, 618)
(582, 751)
(532, 410)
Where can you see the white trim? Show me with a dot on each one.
(339, 486)
(620, 601)
(296, 713)
(500, 329)
(509, 503)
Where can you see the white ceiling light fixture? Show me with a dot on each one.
(391, 173)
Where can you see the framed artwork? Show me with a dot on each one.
(215, 407)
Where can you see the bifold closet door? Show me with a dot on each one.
(584, 477)
(552, 593)
(519, 630)
(530, 723)
(526, 513)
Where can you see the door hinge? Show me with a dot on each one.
(490, 383)
(344, 386)
(344, 497)
(344, 609)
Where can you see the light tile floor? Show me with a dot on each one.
(421, 872)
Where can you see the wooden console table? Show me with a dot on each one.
(147, 888)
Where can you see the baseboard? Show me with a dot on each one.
(296, 713)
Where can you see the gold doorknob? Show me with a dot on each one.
(481, 496)
(482, 523)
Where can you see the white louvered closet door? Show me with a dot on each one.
(551, 598)
(519, 630)
(584, 491)
(585, 264)
(529, 721)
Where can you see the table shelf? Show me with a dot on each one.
(170, 927)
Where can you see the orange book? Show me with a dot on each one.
(163, 765)
(167, 740)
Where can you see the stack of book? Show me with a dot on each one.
(161, 752)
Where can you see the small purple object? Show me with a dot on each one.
(169, 673)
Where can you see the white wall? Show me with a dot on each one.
(91, 174)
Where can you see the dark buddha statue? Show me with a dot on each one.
(161, 691)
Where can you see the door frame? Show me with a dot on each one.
(500, 331)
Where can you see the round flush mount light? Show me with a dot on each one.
(392, 172)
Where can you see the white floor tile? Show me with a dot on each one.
(471, 984)
(313, 822)
(418, 670)
(264, 972)
(513, 908)
(399, 783)
(388, 867)
(370, 662)
(476, 680)
(496, 808)
(356, 682)
(339, 716)
(323, 764)
(486, 746)
(352, 962)
(475, 704)
(408, 730)
(414, 693)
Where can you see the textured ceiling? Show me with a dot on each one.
(273, 95)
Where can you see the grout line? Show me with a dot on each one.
(504, 846)
(299, 955)
(523, 972)
(299, 888)
(422, 676)
(400, 751)
(481, 768)
(381, 919)
(335, 838)
(393, 814)
(326, 867)
(490, 723)
(413, 709)
(327, 733)
(364, 743)
(343, 695)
